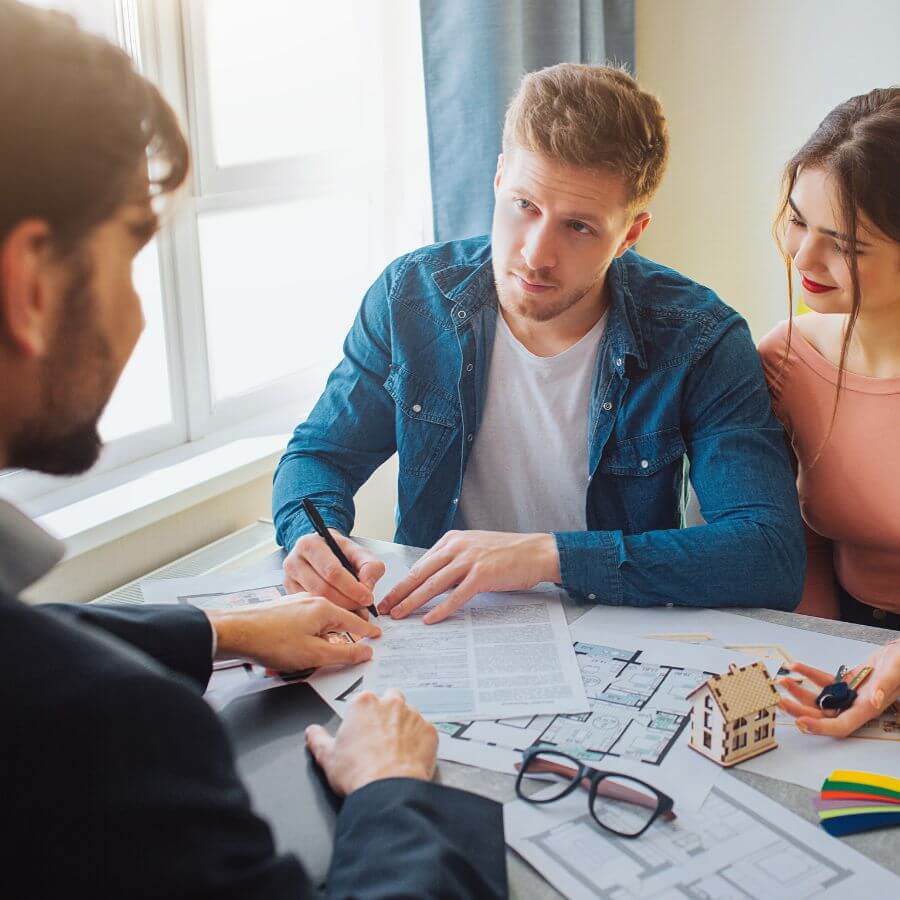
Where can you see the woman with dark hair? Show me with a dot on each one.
(834, 374)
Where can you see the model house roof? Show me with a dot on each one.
(741, 691)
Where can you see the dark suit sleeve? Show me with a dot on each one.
(157, 810)
(404, 838)
(154, 806)
(177, 637)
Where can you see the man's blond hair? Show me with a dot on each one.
(594, 117)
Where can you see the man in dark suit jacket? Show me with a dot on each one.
(116, 778)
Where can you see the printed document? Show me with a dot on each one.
(221, 590)
(502, 654)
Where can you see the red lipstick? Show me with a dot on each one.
(815, 288)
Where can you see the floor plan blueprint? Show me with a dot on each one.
(731, 849)
(637, 710)
(636, 725)
(804, 759)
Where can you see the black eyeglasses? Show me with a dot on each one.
(621, 804)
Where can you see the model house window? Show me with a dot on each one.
(708, 702)
(761, 733)
(707, 740)
(740, 723)
(762, 714)
(706, 720)
(740, 740)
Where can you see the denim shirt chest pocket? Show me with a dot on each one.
(427, 419)
(645, 473)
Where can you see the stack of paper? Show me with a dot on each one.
(858, 801)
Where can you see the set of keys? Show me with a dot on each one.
(840, 695)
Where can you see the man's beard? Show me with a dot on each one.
(61, 437)
(539, 309)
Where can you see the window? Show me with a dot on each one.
(740, 740)
(310, 173)
(304, 190)
(708, 702)
(706, 720)
(761, 733)
(762, 714)
(707, 740)
(740, 723)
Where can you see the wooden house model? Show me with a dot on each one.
(733, 714)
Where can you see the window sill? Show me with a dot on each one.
(166, 490)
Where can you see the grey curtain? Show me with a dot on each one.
(475, 52)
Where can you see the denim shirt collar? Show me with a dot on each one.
(469, 287)
(623, 329)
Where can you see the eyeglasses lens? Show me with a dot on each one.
(623, 805)
(551, 769)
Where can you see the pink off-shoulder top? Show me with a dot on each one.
(850, 496)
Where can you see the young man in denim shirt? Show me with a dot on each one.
(542, 387)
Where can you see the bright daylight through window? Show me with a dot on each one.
(310, 173)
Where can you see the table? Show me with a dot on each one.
(524, 882)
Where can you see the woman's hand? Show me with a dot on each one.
(875, 694)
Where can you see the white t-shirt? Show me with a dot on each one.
(528, 470)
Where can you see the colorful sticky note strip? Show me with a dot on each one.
(853, 801)
(854, 824)
(855, 795)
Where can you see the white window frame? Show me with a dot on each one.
(165, 37)
(22, 486)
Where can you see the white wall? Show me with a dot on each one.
(744, 83)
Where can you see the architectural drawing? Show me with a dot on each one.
(637, 720)
(727, 850)
(235, 599)
(638, 711)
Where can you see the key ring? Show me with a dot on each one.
(839, 695)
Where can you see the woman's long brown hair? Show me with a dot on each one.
(858, 145)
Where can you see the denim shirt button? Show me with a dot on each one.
(462, 313)
(470, 438)
(417, 408)
(619, 362)
(456, 499)
(644, 463)
(669, 605)
(469, 367)
(607, 406)
(592, 596)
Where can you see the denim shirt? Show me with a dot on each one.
(678, 378)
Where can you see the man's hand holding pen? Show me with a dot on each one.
(312, 567)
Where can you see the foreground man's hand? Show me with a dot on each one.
(876, 693)
(312, 567)
(379, 738)
(472, 562)
(290, 634)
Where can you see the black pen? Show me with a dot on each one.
(322, 530)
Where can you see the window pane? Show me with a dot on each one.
(281, 285)
(98, 16)
(285, 78)
(141, 399)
